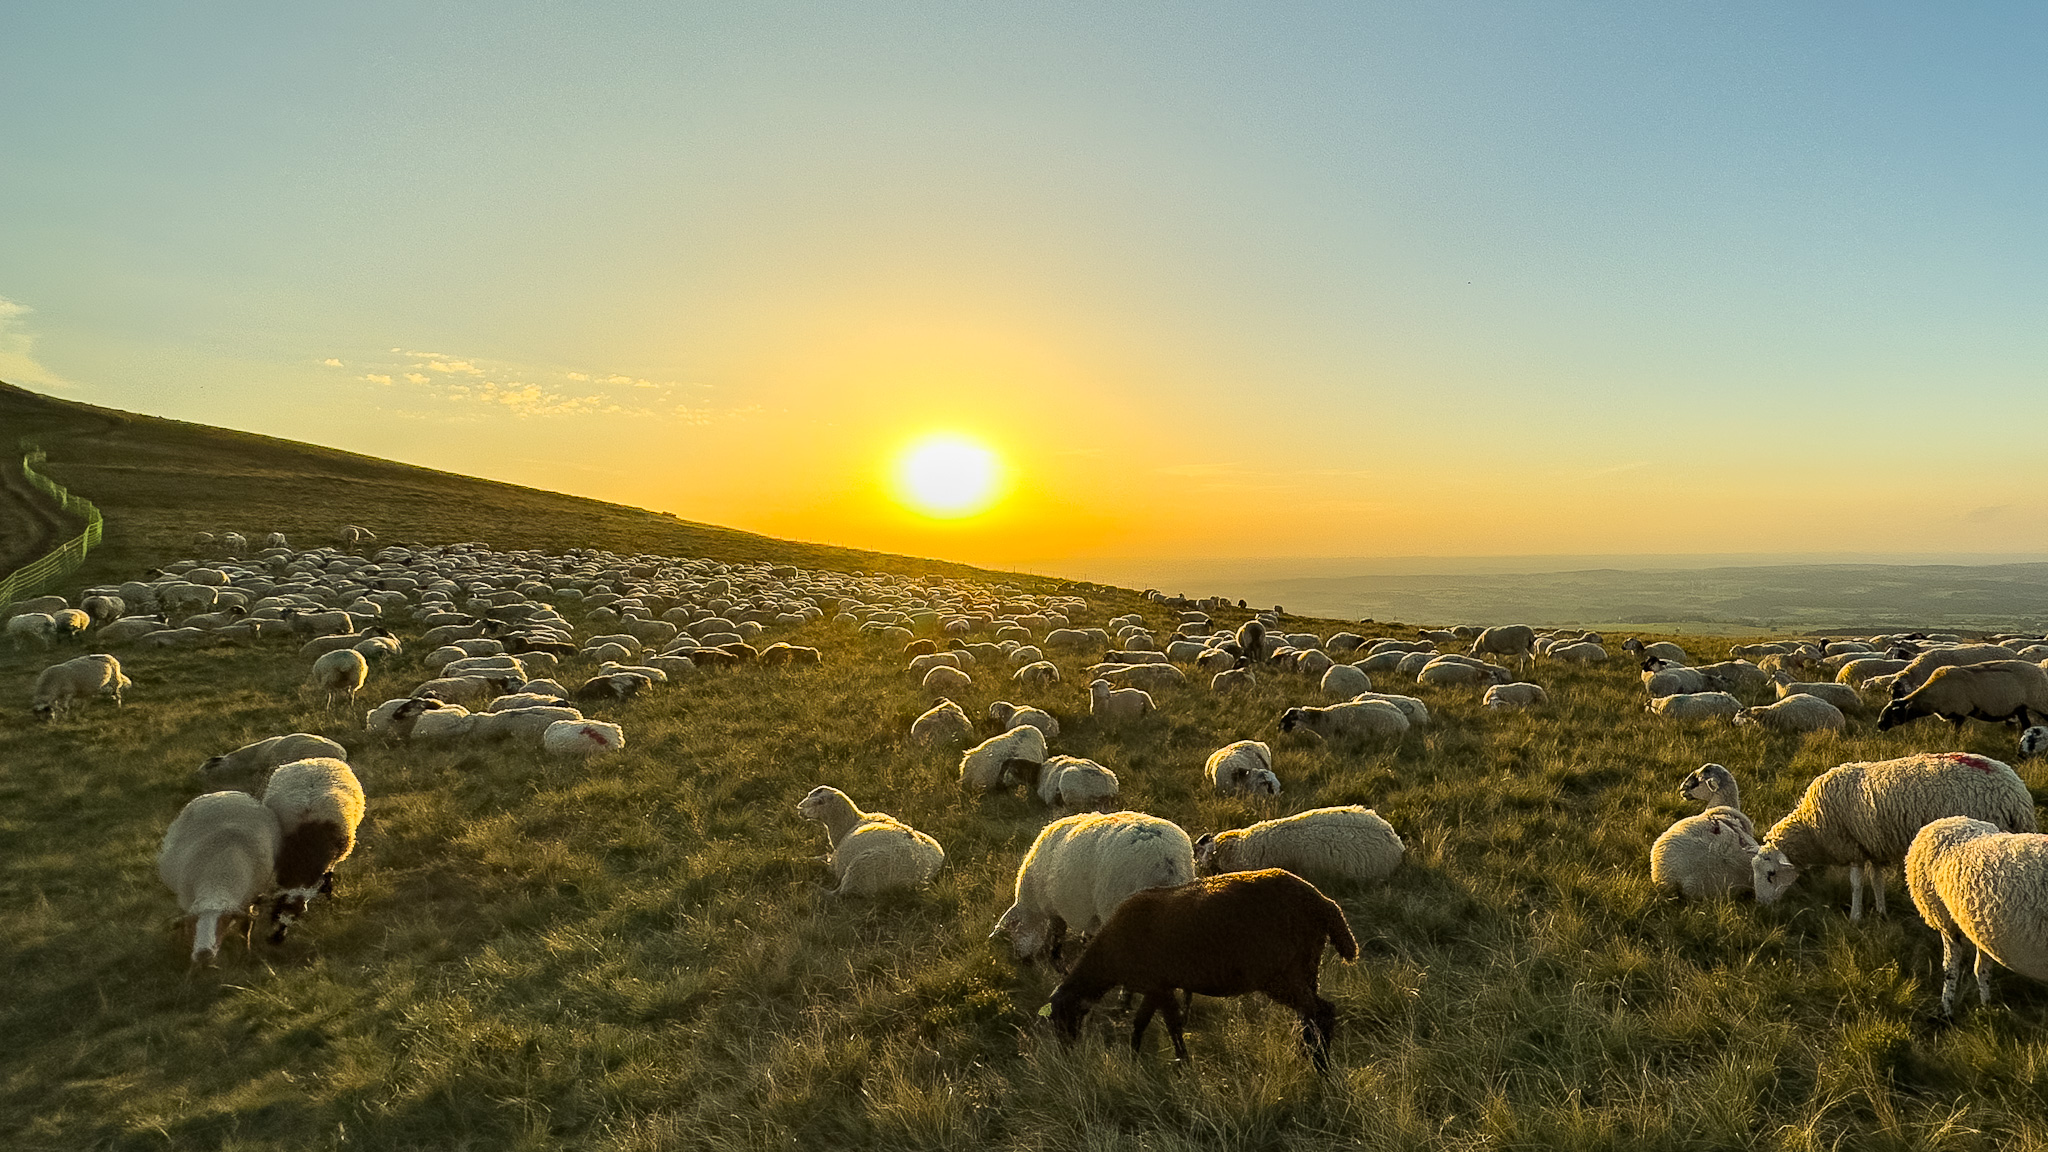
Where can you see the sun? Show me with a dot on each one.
(948, 476)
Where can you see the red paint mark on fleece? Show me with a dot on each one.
(593, 735)
(1968, 760)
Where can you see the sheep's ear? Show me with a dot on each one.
(1204, 840)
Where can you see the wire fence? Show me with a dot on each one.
(32, 578)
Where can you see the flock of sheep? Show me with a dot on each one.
(495, 629)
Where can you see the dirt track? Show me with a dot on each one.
(31, 525)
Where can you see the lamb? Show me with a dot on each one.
(1353, 721)
(1141, 676)
(998, 761)
(582, 738)
(1798, 713)
(872, 852)
(945, 724)
(1010, 715)
(219, 857)
(943, 681)
(340, 675)
(1516, 695)
(1219, 936)
(267, 754)
(1706, 855)
(1081, 867)
(1996, 691)
(1072, 782)
(1350, 844)
(318, 804)
(60, 686)
(1695, 706)
(1864, 815)
(1343, 681)
(1234, 678)
(1244, 766)
(1970, 880)
(1118, 705)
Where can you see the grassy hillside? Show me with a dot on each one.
(637, 953)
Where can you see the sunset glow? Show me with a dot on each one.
(948, 476)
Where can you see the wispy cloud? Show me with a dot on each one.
(331, 362)
(18, 363)
(478, 387)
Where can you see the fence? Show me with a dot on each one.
(32, 578)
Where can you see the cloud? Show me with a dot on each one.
(417, 377)
(376, 379)
(454, 367)
(18, 363)
(478, 387)
(331, 362)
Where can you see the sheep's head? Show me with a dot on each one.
(1291, 719)
(1710, 784)
(1261, 782)
(44, 712)
(822, 799)
(1895, 713)
(2034, 741)
(1771, 873)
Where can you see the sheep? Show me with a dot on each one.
(1714, 786)
(320, 646)
(318, 804)
(1142, 676)
(945, 724)
(1234, 678)
(1118, 705)
(475, 689)
(1733, 675)
(1842, 696)
(1996, 691)
(60, 686)
(998, 761)
(1080, 868)
(1010, 715)
(1343, 681)
(38, 626)
(919, 665)
(582, 738)
(1516, 640)
(1449, 670)
(326, 623)
(1864, 815)
(1415, 710)
(1072, 782)
(1516, 695)
(1583, 652)
(1695, 706)
(340, 675)
(1237, 767)
(1797, 713)
(395, 719)
(1218, 936)
(1350, 722)
(944, 681)
(219, 856)
(2033, 741)
(1350, 844)
(1970, 880)
(266, 754)
(872, 852)
(68, 623)
(1037, 674)
(129, 629)
(1706, 855)
(1923, 667)
(1251, 640)
(1660, 649)
(1661, 678)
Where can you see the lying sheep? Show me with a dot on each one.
(1797, 713)
(1864, 815)
(1037, 674)
(60, 686)
(394, 719)
(1234, 678)
(872, 852)
(1516, 695)
(318, 804)
(1660, 650)
(219, 857)
(999, 761)
(1010, 715)
(339, 675)
(1696, 706)
(944, 681)
(1343, 682)
(1414, 709)
(469, 691)
(1448, 670)
(1218, 936)
(1971, 881)
(1661, 678)
(1072, 782)
(1350, 844)
(1351, 722)
(945, 725)
(264, 755)
(582, 738)
(1709, 854)
(1995, 691)
(1583, 652)
(1245, 766)
(1844, 697)
(1141, 676)
(612, 686)
(1118, 705)
(1081, 867)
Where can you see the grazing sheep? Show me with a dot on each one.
(1251, 640)
(1798, 713)
(1037, 674)
(1118, 705)
(944, 681)
(339, 675)
(1233, 678)
(1696, 706)
(872, 852)
(1923, 667)
(1844, 697)
(267, 754)
(219, 857)
(60, 686)
(1351, 844)
(946, 724)
(1081, 867)
(1072, 782)
(1353, 721)
(318, 803)
(1995, 691)
(1660, 650)
(1237, 767)
(1344, 681)
(1864, 815)
(1010, 715)
(582, 738)
(1142, 676)
(999, 761)
(1516, 640)
(1517, 695)
(1970, 880)
(38, 626)
(2033, 741)
(1218, 936)
(328, 623)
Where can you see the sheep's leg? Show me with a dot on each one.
(1146, 1007)
(1856, 891)
(1171, 1009)
(1876, 873)
(1324, 1021)
(1983, 977)
(1951, 973)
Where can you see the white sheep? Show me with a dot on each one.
(1516, 695)
(1010, 715)
(1516, 640)
(1795, 713)
(1842, 695)
(1072, 782)
(2034, 741)
(267, 754)
(1864, 815)
(219, 856)
(1080, 868)
(1344, 681)
(1708, 854)
(1583, 652)
(395, 719)
(1450, 669)
(943, 681)
(1695, 706)
(1661, 678)
(1243, 766)
(999, 761)
(1037, 674)
(1350, 722)
(1118, 705)
(60, 686)
(1231, 679)
(582, 738)
(872, 852)
(1970, 880)
(318, 804)
(1351, 843)
(1660, 650)
(1414, 709)
(1140, 676)
(946, 724)
(339, 675)
(40, 627)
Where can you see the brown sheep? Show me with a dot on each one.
(1997, 691)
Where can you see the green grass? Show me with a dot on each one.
(637, 952)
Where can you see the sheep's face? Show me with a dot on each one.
(1707, 785)
(1771, 872)
(812, 807)
(1290, 719)
(1069, 1008)
(1262, 782)
(1895, 713)
(2033, 741)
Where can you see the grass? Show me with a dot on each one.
(638, 953)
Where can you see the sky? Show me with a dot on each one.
(1215, 282)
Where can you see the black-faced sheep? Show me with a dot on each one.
(318, 804)
(1996, 691)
